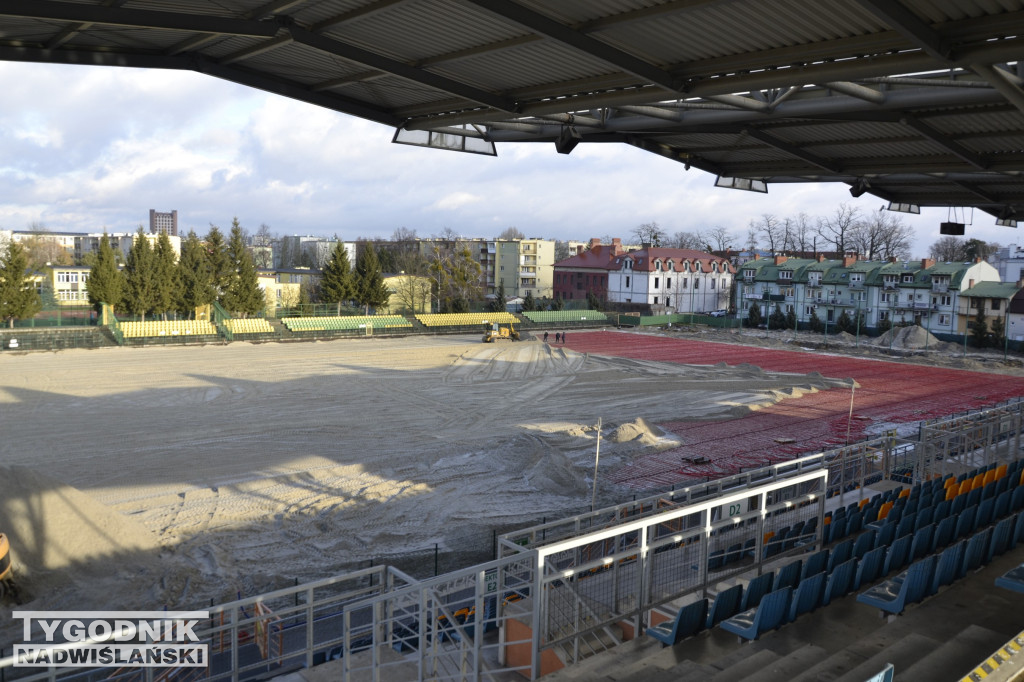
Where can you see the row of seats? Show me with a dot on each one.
(465, 319)
(248, 325)
(133, 330)
(346, 323)
(565, 316)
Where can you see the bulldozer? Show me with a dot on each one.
(6, 570)
(500, 331)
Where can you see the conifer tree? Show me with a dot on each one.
(336, 282)
(106, 281)
(369, 283)
(218, 265)
(167, 276)
(18, 296)
(498, 304)
(140, 295)
(979, 327)
(529, 303)
(243, 295)
(195, 288)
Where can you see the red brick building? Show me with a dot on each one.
(587, 271)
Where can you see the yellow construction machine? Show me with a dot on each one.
(6, 570)
(500, 331)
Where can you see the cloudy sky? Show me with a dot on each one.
(83, 148)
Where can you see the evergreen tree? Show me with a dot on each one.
(998, 331)
(243, 295)
(498, 304)
(529, 304)
(844, 323)
(106, 281)
(777, 320)
(979, 327)
(18, 297)
(218, 264)
(815, 324)
(754, 315)
(369, 283)
(140, 294)
(884, 325)
(791, 320)
(336, 283)
(195, 288)
(557, 303)
(167, 276)
(593, 302)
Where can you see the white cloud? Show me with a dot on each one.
(455, 201)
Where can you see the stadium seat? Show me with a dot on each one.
(896, 557)
(770, 614)
(1012, 579)
(840, 553)
(814, 564)
(788, 575)
(756, 589)
(893, 596)
(1000, 541)
(726, 605)
(945, 532)
(808, 595)
(947, 568)
(869, 568)
(864, 543)
(965, 523)
(690, 620)
(839, 581)
(922, 542)
(974, 554)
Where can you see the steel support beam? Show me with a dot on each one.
(1005, 83)
(392, 66)
(898, 17)
(561, 33)
(792, 150)
(946, 142)
(136, 18)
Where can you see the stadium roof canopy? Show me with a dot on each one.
(919, 102)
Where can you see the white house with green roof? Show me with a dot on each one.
(995, 301)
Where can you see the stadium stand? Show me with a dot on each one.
(359, 322)
(465, 319)
(248, 325)
(554, 316)
(135, 330)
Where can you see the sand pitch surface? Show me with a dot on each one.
(144, 477)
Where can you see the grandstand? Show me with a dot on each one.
(135, 330)
(565, 316)
(436, 320)
(248, 325)
(360, 322)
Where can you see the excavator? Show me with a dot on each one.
(6, 570)
(500, 331)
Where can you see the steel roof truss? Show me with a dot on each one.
(944, 141)
(898, 17)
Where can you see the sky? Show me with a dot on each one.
(87, 148)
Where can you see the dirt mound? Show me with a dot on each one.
(639, 431)
(912, 337)
(53, 526)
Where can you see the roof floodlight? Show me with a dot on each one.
(465, 138)
(747, 184)
(859, 187)
(902, 207)
(1007, 217)
(568, 138)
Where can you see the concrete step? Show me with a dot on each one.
(687, 671)
(957, 657)
(749, 665)
(788, 667)
(901, 652)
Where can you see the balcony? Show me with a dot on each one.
(940, 288)
(890, 285)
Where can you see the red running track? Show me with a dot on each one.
(887, 392)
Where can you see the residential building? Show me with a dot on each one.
(163, 223)
(68, 283)
(1009, 261)
(879, 292)
(525, 266)
(408, 294)
(996, 301)
(587, 271)
(672, 280)
(282, 287)
(307, 252)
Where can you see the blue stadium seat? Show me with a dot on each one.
(689, 621)
(896, 557)
(965, 523)
(840, 553)
(906, 526)
(1012, 579)
(1018, 530)
(1000, 541)
(944, 533)
(808, 595)
(974, 554)
(886, 535)
(974, 497)
(864, 543)
(1002, 506)
(788, 575)
(947, 568)
(941, 511)
(726, 605)
(814, 564)
(756, 589)
(840, 581)
(869, 568)
(1017, 498)
(893, 596)
(771, 613)
(924, 517)
(922, 543)
(986, 510)
(959, 504)
(716, 560)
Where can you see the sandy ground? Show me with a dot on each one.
(138, 478)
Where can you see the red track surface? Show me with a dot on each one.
(886, 392)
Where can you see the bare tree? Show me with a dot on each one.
(561, 251)
(403, 234)
(802, 236)
(718, 239)
(896, 240)
(752, 240)
(511, 233)
(949, 250)
(769, 227)
(447, 235)
(687, 240)
(836, 228)
(649, 233)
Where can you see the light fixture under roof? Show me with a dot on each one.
(903, 207)
(747, 184)
(1007, 217)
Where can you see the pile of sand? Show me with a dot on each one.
(53, 526)
(910, 338)
(640, 431)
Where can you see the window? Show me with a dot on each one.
(976, 303)
(831, 315)
(657, 265)
(668, 282)
(883, 315)
(655, 300)
(808, 310)
(908, 279)
(656, 282)
(696, 283)
(944, 320)
(995, 304)
(682, 284)
(627, 282)
(785, 274)
(945, 300)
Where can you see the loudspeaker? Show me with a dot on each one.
(567, 140)
(951, 228)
